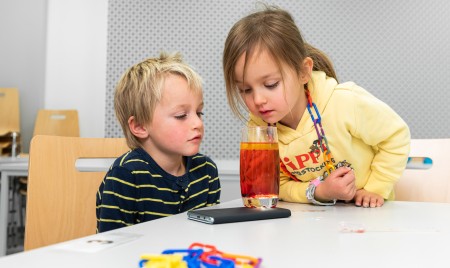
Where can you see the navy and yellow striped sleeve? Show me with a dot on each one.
(214, 184)
(116, 200)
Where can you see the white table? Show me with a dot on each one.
(399, 234)
(11, 167)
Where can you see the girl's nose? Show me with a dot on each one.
(259, 98)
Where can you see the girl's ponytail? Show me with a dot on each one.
(321, 61)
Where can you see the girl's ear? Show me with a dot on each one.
(307, 65)
(136, 129)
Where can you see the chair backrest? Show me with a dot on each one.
(61, 199)
(57, 123)
(9, 111)
(9, 120)
(429, 182)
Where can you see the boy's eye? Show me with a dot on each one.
(183, 116)
(274, 85)
(180, 116)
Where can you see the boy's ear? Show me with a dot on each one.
(136, 129)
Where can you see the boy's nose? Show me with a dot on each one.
(198, 122)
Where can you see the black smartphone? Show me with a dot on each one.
(237, 214)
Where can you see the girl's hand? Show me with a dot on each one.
(365, 199)
(340, 184)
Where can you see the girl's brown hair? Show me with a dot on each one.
(275, 31)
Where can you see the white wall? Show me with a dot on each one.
(22, 57)
(229, 179)
(75, 75)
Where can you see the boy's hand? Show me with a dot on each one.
(340, 184)
(368, 199)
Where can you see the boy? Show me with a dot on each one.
(159, 104)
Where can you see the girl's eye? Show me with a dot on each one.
(182, 116)
(200, 114)
(272, 86)
(245, 91)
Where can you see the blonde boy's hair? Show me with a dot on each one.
(140, 89)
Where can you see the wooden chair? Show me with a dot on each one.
(9, 118)
(57, 122)
(426, 181)
(61, 199)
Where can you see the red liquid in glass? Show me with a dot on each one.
(259, 174)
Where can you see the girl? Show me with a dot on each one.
(336, 141)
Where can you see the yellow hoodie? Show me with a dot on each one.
(361, 130)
